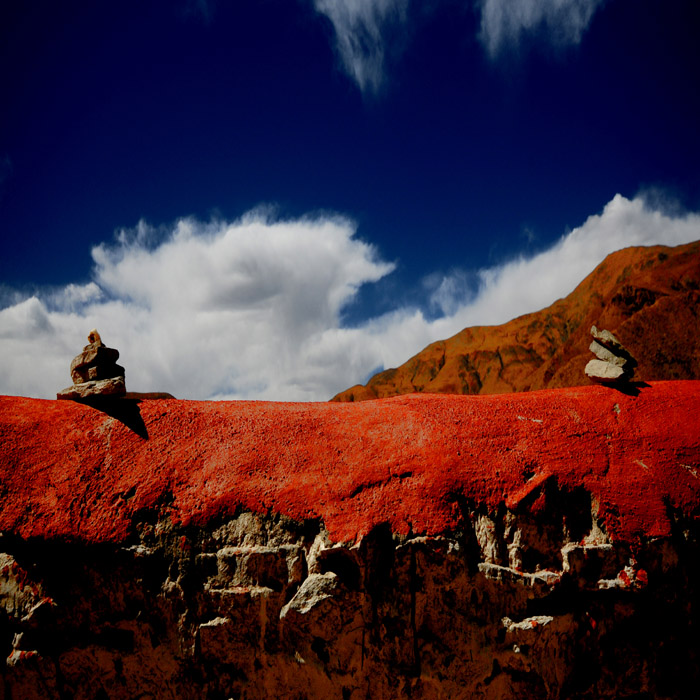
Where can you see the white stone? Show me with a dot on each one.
(605, 372)
(602, 353)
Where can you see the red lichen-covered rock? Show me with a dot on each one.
(538, 545)
(405, 461)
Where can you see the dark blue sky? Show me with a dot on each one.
(115, 112)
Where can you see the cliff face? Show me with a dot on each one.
(539, 545)
(649, 297)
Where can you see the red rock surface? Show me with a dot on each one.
(143, 552)
(647, 296)
(74, 472)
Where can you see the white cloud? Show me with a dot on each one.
(530, 283)
(252, 309)
(360, 27)
(206, 309)
(449, 292)
(503, 22)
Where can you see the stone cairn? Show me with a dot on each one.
(614, 364)
(95, 372)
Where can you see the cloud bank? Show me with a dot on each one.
(253, 308)
(364, 29)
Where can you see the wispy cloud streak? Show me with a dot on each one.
(365, 29)
(360, 27)
(561, 22)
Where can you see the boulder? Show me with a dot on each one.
(602, 353)
(607, 339)
(95, 359)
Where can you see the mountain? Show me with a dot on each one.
(647, 296)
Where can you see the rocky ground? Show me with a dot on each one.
(540, 545)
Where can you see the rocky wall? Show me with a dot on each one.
(516, 605)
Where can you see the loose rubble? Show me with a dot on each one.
(614, 364)
(95, 372)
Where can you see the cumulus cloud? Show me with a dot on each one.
(504, 22)
(205, 309)
(253, 308)
(527, 284)
(360, 27)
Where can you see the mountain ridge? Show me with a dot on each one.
(647, 296)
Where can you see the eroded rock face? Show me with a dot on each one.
(262, 606)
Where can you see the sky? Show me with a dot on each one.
(274, 199)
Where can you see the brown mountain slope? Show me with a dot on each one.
(649, 297)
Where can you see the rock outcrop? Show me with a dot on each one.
(537, 545)
(649, 297)
(95, 372)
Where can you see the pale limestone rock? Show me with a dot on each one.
(607, 339)
(183, 614)
(614, 364)
(602, 353)
(315, 589)
(604, 372)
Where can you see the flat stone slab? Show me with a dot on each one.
(605, 372)
(602, 353)
(114, 386)
(607, 339)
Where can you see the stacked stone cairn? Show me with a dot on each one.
(614, 365)
(95, 372)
